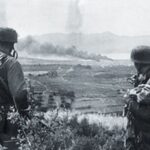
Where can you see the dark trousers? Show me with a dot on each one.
(7, 130)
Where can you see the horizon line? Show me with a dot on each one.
(67, 33)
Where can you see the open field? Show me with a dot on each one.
(97, 94)
(97, 89)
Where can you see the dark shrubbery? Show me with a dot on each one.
(49, 131)
(96, 137)
(53, 131)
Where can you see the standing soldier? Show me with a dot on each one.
(12, 83)
(138, 102)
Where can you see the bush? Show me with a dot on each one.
(96, 137)
(86, 143)
(53, 131)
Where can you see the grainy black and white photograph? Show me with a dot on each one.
(75, 75)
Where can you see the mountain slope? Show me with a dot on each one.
(47, 46)
(98, 43)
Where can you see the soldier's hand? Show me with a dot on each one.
(25, 113)
(130, 95)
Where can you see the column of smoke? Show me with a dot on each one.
(74, 22)
(74, 27)
(3, 21)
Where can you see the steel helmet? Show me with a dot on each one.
(8, 35)
(141, 54)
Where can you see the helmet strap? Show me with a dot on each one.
(14, 53)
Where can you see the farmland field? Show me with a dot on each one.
(92, 124)
(97, 88)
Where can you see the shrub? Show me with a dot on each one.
(53, 131)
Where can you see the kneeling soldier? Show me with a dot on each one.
(12, 83)
(138, 102)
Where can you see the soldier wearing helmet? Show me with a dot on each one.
(138, 102)
(12, 83)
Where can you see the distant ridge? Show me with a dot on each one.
(59, 45)
(98, 43)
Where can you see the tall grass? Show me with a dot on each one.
(109, 121)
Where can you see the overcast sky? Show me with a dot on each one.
(122, 17)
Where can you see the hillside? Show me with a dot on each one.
(78, 47)
(34, 47)
(97, 43)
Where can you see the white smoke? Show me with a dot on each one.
(3, 21)
(74, 22)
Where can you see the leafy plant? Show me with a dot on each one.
(53, 131)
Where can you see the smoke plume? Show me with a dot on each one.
(74, 22)
(33, 48)
(3, 21)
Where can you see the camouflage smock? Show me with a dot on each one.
(12, 82)
(138, 114)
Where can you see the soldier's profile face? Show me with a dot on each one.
(138, 67)
(9, 48)
(142, 68)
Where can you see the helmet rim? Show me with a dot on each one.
(141, 54)
(8, 35)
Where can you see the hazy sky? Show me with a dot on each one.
(123, 17)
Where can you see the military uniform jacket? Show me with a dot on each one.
(12, 82)
(138, 128)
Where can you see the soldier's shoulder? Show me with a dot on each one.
(10, 61)
(5, 59)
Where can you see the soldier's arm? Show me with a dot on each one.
(143, 96)
(17, 85)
